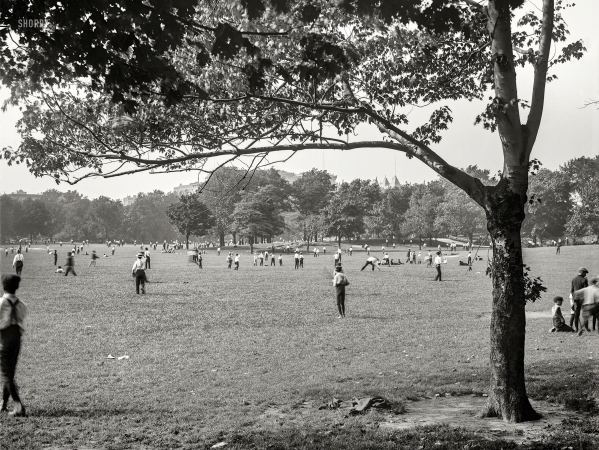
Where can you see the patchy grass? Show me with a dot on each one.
(222, 355)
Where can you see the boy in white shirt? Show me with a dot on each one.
(438, 263)
(236, 261)
(559, 323)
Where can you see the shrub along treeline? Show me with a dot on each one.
(262, 206)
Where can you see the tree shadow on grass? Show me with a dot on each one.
(359, 435)
(570, 383)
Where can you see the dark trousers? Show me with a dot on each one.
(140, 281)
(148, 265)
(9, 355)
(19, 267)
(69, 270)
(236, 265)
(200, 263)
(296, 263)
(302, 263)
(575, 318)
(438, 277)
(230, 262)
(367, 263)
(341, 300)
(55, 259)
(272, 262)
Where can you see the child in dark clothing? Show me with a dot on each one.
(559, 323)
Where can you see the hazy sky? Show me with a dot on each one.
(567, 131)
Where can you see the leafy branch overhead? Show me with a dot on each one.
(154, 87)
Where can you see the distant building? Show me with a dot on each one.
(186, 188)
(129, 200)
(385, 184)
(22, 195)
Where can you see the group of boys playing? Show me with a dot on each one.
(584, 303)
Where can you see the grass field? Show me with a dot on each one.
(220, 355)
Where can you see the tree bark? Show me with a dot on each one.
(507, 392)
(187, 241)
(251, 239)
(221, 238)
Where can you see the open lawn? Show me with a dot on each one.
(246, 357)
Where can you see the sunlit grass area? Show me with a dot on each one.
(217, 355)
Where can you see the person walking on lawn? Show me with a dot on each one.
(147, 255)
(17, 262)
(55, 254)
(70, 264)
(12, 315)
(94, 258)
(578, 282)
(438, 262)
(372, 261)
(340, 281)
(139, 273)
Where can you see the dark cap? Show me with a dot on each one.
(582, 269)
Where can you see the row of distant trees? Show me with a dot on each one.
(260, 206)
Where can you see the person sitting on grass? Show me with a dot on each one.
(385, 261)
(59, 270)
(559, 323)
(12, 314)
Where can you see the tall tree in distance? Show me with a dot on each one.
(106, 217)
(190, 217)
(145, 218)
(549, 205)
(311, 193)
(257, 214)
(10, 212)
(420, 218)
(33, 219)
(582, 173)
(459, 214)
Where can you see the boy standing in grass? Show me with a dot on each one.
(340, 281)
(236, 261)
(578, 282)
(559, 323)
(12, 314)
(139, 273)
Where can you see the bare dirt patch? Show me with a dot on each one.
(460, 412)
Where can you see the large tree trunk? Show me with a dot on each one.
(251, 239)
(187, 241)
(221, 238)
(507, 393)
